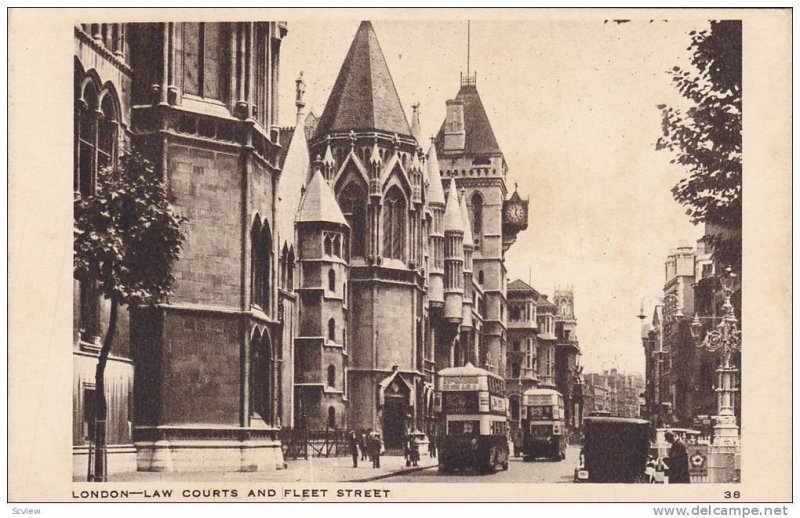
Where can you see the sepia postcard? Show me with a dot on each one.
(399, 255)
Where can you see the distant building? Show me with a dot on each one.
(613, 392)
(543, 348)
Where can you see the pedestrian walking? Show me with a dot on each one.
(432, 446)
(413, 451)
(377, 446)
(352, 442)
(362, 444)
(678, 461)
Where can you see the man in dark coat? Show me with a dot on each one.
(352, 442)
(678, 461)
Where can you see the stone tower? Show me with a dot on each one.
(372, 165)
(468, 154)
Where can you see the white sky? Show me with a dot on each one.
(573, 107)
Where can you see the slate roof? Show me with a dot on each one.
(479, 137)
(364, 96)
(520, 285)
(318, 203)
(294, 162)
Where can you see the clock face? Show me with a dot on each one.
(515, 213)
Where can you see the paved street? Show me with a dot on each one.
(541, 471)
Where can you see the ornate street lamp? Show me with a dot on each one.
(725, 338)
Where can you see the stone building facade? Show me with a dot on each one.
(330, 268)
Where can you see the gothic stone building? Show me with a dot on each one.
(330, 269)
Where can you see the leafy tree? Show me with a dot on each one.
(127, 236)
(706, 138)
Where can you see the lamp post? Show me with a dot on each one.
(725, 338)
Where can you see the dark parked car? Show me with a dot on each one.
(614, 450)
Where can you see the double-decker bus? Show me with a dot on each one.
(544, 433)
(473, 419)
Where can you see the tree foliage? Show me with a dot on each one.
(127, 234)
(706, 138)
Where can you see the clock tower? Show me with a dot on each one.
(468, 153)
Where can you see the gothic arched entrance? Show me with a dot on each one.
(396, 400)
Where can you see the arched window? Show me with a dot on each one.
(95, 137)
(480, 277)
(353, 202)
(332, 280)
(332, 330)
(477, 217)
(515, 371)
(394, 225)
(261, 365)
(331, 417)
(328, 244)
(205, 59)
(516, 346)
(337, 245)
(260, 265)
(513, 312)
(331, 376)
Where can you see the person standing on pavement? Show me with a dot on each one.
(678, 461)
(352, 442)
(377, 446)
(362, 444)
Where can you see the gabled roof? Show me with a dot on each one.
(364, 96)
(479, 136)
(318, 204)
(435, 191)
(452, 212)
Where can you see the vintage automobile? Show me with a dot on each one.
(615, 450)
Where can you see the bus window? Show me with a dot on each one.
(463, 427)
(541, 430)
(499, 427)
(541, 412)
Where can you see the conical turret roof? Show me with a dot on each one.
(465, 221)
(479, 137)
(452, 213)
(435, 191)
(364, 96)
(318, 203)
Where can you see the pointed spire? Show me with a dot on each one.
(452, 213)
(318, 203)
(328, 161)
(435, 191)
(375, 157)
(364, 96)
(299, 102)
(416, 166)
(416, 127)
(468, 241)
